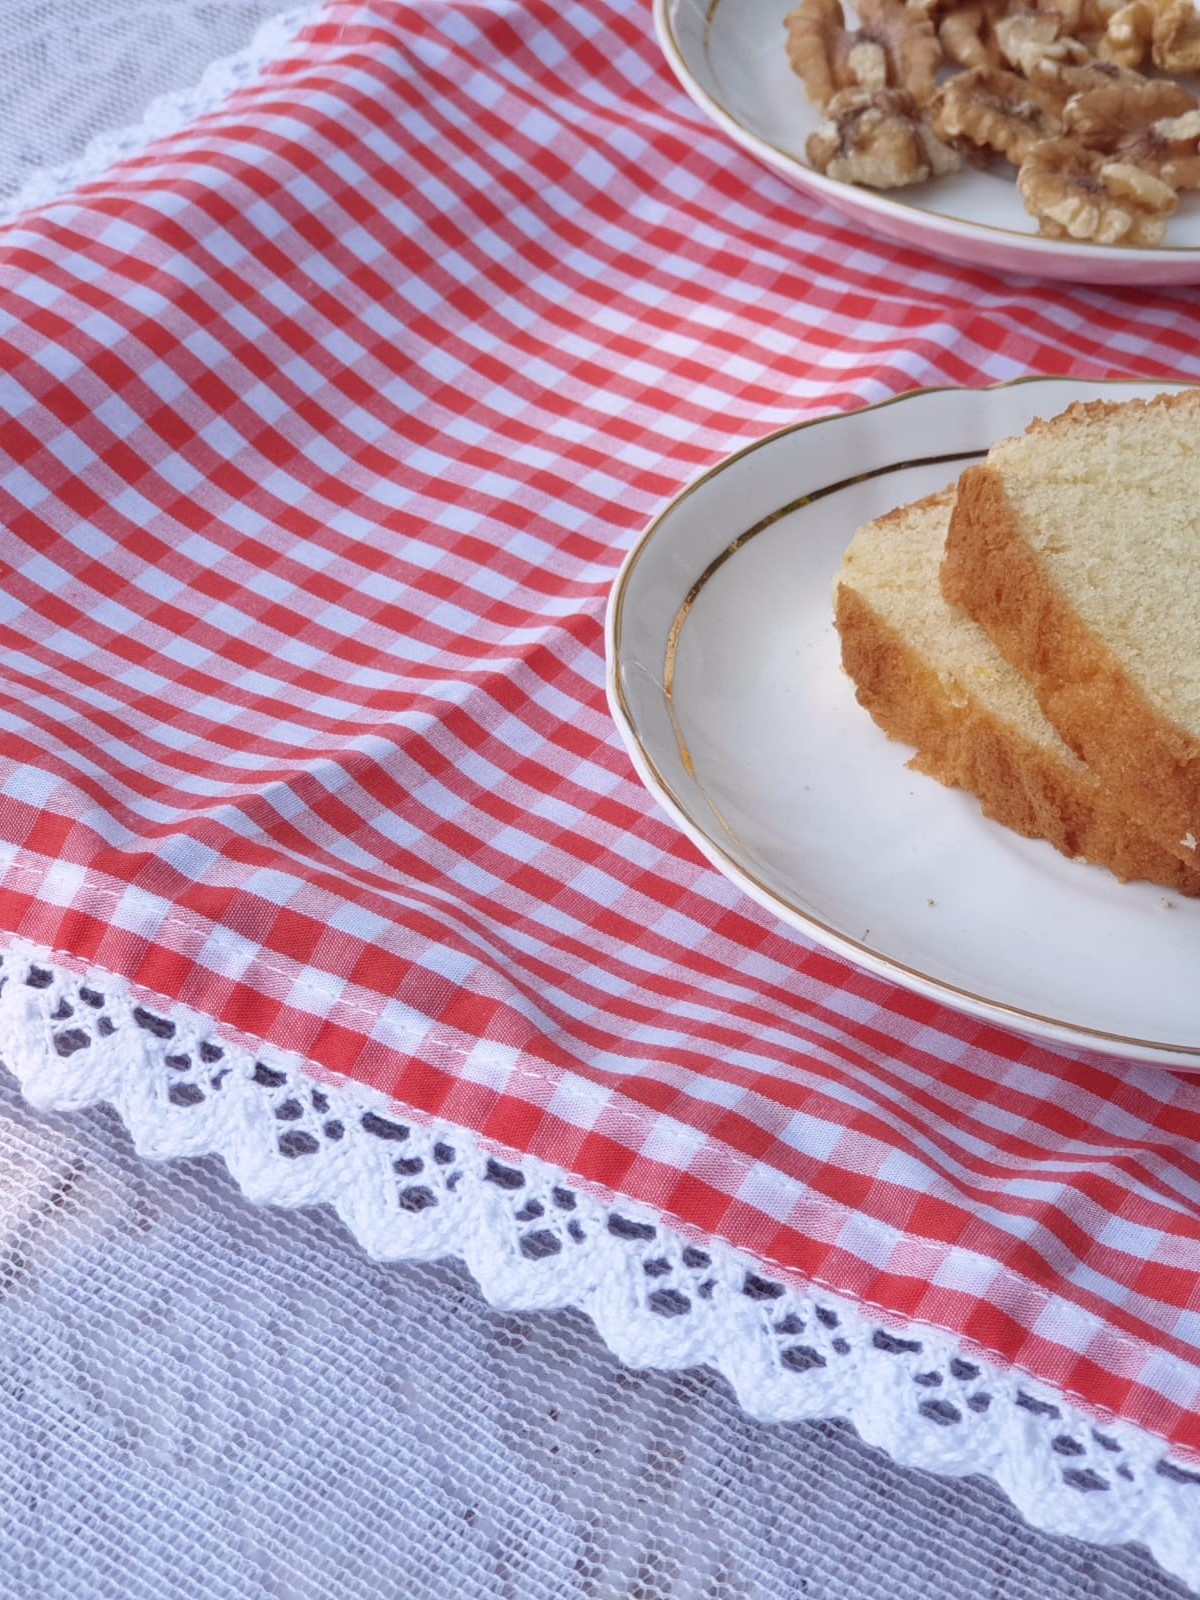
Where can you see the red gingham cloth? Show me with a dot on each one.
(325, 426)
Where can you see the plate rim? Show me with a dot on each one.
(1014, 1018)
(875, 201)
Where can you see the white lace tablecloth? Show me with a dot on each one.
(207, 1398)
(77, 70)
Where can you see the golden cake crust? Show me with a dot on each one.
(1032, 788)
(1149, 765)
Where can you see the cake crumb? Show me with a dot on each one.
(1188, 842)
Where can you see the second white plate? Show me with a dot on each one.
(731, 58)
(726, 684)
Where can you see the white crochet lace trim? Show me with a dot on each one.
(533, 1239)
(166, 114)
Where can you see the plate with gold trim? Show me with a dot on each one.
(725, 681)
(730, 57)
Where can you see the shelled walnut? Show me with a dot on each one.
(894, 47)
(1158, 131)
(1104, 117)
(967, 34)
(1081, 194)
(1029, 40)
(1175, 37)
(1127, 34)
(879, 139)
(995, 110)
(1057, 80)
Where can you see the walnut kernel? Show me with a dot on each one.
(1175, 36)
(992, 110)
(967, 34)
(1080, 194)
(1030, 38)
(880, 141)
(894, 47)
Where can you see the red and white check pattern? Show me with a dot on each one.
(325, 426)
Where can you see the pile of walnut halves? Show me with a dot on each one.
(1102, 150)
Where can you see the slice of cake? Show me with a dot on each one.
(1077, 547)
(931, 678)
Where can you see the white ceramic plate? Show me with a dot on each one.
(731, 58)
(724, 677)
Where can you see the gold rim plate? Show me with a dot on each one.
(724, 680)
(730, 58)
